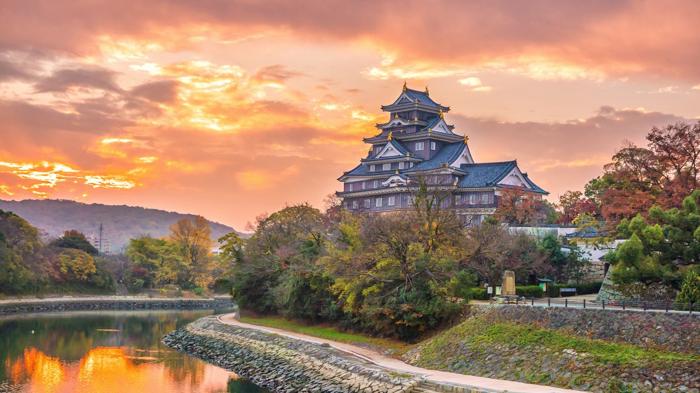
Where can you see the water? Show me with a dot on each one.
(102, 352)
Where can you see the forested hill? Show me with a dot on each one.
(120, 223)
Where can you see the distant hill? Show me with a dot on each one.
(120, 222)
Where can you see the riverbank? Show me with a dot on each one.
(99, 303)
(293, 362)
(591, 350)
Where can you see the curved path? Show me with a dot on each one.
(469, 381)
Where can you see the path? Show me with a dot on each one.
(486, 384)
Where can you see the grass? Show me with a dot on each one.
(328, 332)
(479, 334)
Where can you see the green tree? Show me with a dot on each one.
(690, 289)
(76, 240)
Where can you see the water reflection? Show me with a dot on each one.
(105, 352)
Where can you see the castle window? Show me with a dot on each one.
(420, 146)
(354, 204)
(485, 198)
(433, 146)
(386, 167)
(376, 184)
(363, 185)
(401, 165)
(391, 201)
(371, 168)
(368, 203)
(378, 202)
(349, 186)
(472, 199)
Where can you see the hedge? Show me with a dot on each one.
(581, 289)
(479, 294)
(529, 291)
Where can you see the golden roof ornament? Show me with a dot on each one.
(466, 139)
(427, 93)
(404, 86)
(390, 136)
(442, 114)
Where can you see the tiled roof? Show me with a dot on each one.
(399, 147)
(486, 174)
(421, 97)
(446, 155)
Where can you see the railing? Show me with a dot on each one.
(635, 305)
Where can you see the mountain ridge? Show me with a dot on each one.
(120, 222)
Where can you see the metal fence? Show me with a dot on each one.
(635, 305)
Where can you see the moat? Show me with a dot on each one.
(105, 351)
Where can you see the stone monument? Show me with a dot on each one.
(508, 287)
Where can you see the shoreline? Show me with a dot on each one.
(103, 303)
(279, 360)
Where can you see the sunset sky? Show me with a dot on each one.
(231, 109)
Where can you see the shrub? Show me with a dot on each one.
(479, 294)
(690, 289)
(199, 291)
(529, 291)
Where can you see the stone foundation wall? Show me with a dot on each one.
(96, 304)
(669, 331)
(282, 364)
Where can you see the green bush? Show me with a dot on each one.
(479, 294)
(529, 291)
(199, 291)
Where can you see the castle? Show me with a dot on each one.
(417, 143)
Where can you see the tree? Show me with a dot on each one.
(193, 240)
(76, 240)
(574, 204)
(690, 289)
(278, 270)
(19, 243)
(76, 265)
(518, 207)
(662, 173)
(154, 262)
(491, 250)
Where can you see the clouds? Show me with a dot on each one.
(214, 106)
(82, 77)
(164, 91)
(613, 38)
(561, 155)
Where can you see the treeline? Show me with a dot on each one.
(71, 264)
(67, 264)
(647, 196)
(397, 275)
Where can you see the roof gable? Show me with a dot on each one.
(392, 149)
(514, 178)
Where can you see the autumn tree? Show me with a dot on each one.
(662, 173)
(491, 250)
(573, 204)
(278, 271)
(76, 265)
(193, 239)
(521, 208)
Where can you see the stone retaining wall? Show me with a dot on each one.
(78, 304)
(283, 364)
(668, 331)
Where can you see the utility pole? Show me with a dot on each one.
(100, 241)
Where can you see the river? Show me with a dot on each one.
(103, 352)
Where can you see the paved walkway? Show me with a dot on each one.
(487, 384)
